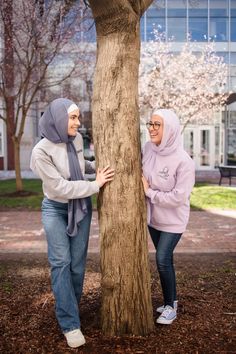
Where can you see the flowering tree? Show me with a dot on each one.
(36, 33)
(191, 82)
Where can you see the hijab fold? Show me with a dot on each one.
(53, 125)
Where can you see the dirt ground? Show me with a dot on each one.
(205, 324)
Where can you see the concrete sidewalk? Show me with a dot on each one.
(208, 232)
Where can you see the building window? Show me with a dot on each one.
(177, 20)
(198, 20)
(155, 19)
(233, 21)
(219, 20)
(224, 55)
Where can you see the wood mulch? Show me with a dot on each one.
(205, 324)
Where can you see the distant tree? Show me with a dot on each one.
(36, 33)
(192, 82)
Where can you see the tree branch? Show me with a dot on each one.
(144, 4)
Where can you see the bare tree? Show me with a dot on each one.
(126, 295)
(35, 34)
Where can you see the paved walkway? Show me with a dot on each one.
(208, 232)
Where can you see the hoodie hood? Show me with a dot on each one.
(53, 124)
(171, 139)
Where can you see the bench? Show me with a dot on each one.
(227, 172)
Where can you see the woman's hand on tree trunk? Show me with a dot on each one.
(104, 175)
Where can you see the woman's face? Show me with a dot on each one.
(155, 128)
(73, 122)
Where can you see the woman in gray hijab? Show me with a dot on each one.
(66, 209)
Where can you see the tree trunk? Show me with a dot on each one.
(19, 184)
(126, 291)
(8, 76)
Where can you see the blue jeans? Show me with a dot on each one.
(67, 258)
(165, 243)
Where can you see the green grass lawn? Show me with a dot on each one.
(204, 196)
(8, 199)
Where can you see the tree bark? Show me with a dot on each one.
(126, 291)
(19, 183)
(8, 73)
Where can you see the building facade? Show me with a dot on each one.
(202, 21)
(205, 21)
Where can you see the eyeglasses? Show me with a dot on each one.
(155, 125)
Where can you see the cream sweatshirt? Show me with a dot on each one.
(50, 162)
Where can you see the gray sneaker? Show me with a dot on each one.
(167, 316)
(160, 309)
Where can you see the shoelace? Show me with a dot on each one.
(166, 312)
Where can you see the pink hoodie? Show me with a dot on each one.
(170, 173)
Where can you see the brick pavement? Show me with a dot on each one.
(208, 232)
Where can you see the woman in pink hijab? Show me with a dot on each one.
(168, 179)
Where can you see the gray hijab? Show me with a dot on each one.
(53, 125)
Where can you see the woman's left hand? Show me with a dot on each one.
(145, 184)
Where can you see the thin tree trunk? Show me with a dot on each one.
(8, 73)
(19, 184)
(126, 291)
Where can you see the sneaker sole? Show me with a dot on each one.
(76, 345)
(163, 321)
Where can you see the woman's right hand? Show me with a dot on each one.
(104, 175)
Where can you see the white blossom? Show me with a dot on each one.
(192, 81)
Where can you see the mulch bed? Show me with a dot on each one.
(205, 324)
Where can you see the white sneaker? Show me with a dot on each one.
(75, 338)
(161, 308)
(167, 316)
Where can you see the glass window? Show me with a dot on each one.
(233, 83)
(219, 29)
(219, 20)
(177, 29)
(176, 8)
(233, 24)
(155, 19)
(219, 8)
(217, 146)
(198, 29)
(233, 8)
(198, 19)
(231, 156)
(233, 29)
(189, 142)
(177, 20)
(205, 147)
(152, 24)
(233, 58)
(225, 55)
(232, 119)
(156, 9)
(198, 8)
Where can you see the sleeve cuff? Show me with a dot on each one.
(148, 193)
